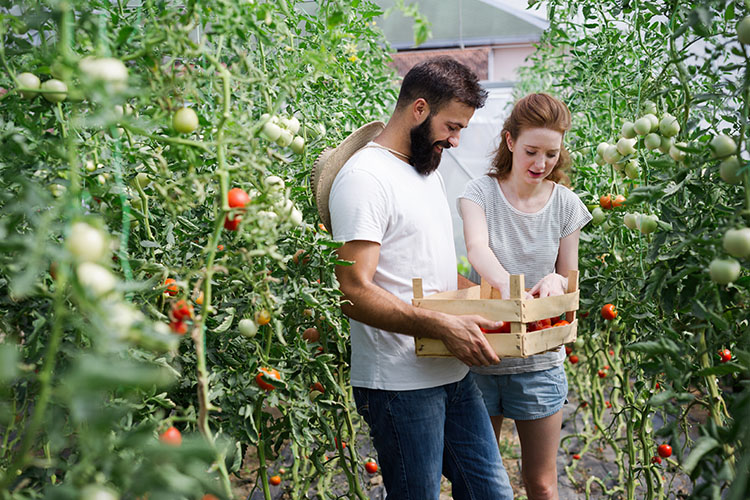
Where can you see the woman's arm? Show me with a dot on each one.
(478, 249)
(567, 260)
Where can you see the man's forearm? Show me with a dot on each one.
(377, 307)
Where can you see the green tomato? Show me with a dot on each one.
(666, 144)
(743, 31)
(628, 130)
(601, 148)
(642, 125)
(28, 81)
(722, 146)
(579, 343)
(598, 216)
(106, 69)
(291, 124)
(86, 243)
(736, 242)
(285, 138)
(652, 141)
(654, 121)
(724, 271)
(626, 146)
(728, 170)
(298, 145)
(631, 220)
(185, 120)
(649, 107)
(631, 169)
(676, 153)
(95, 492)
(669, 126)
(248, 328)
(271, 131)
(59, 88)
(647, 224)
(599, 160)
(611, 155)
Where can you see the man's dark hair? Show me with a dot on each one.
(440, 80)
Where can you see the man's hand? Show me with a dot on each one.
(464, 339)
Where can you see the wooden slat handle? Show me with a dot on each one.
(570, 316)
(573, 280)
(516, 286)
(416, 284)
(485, 289)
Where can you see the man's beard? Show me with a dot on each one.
(424, 158)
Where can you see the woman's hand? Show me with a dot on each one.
(552, 284)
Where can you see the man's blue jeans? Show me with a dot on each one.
(424, 433)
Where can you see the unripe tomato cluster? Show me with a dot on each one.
(283, 132)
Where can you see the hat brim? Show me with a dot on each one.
(329, 163)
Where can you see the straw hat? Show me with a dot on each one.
(330, 161)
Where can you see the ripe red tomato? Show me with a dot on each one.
(562, 322)
(725, 355)
(664, 450)
(267, 372)
(576, 457)
(209, 496)
(503, 328)
(275, 480)
(655, 460)
(317, 386)
(181, 310)
(573, 359)
(601, 373)
(178, 327)
(568, 350)
(237, 198)
(606, 367)
(336, 442)
(608, 404)
(371, 467)
(609, 312)
(171, 436)
(311, 335)
(618, 201)
(172, 288)
(605, 201)
(231, 224)
(262, 317)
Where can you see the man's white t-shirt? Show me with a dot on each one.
(377, 197)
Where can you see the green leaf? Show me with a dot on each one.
(226, 322)
(722, 369)
(701, 447)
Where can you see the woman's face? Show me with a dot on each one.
(535, 153)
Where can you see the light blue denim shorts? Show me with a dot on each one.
(524, 396)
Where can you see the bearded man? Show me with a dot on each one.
(387, 203)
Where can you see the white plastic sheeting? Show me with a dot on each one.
(471, 158)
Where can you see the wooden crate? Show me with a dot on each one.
(484, 301)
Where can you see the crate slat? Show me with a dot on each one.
(509, 345)
(495, 310)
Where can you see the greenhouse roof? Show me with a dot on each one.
(467, 22)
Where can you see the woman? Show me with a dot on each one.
(520, 219)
